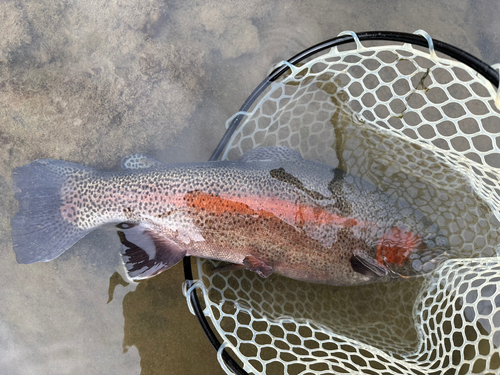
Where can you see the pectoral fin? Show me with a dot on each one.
(145, 252)
(366, 265)
(258, 266)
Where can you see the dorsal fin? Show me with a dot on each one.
(140, 161)
(145, 252)
(275, 153)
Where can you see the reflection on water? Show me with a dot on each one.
(165, 334)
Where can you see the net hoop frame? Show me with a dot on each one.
(419, 38)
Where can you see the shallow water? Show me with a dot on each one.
(93, 81)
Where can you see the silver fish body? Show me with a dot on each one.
(270, 211)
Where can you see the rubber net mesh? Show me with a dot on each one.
(424, 129)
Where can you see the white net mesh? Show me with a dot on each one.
(422, 129)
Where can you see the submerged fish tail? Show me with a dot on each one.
(41, 230)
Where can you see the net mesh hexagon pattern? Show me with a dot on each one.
(422, 128)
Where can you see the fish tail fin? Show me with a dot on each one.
(39, 231)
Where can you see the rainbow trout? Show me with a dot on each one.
(270, 211)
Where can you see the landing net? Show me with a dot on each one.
(422, 127)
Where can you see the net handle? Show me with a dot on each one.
(456, 53)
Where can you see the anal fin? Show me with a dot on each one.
(145, 252)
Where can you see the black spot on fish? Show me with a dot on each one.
(335, 187)
(281, 175)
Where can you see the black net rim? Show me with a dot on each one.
(454, 52)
